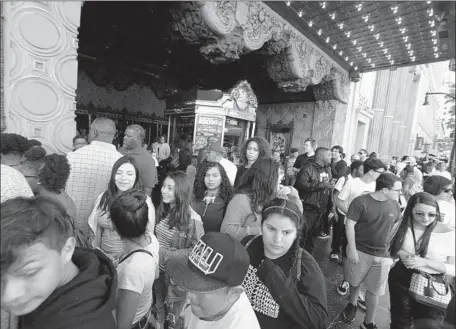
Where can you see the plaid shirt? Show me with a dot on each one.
(90, 172)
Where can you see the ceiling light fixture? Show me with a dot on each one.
(351, 63)
(327, 39)
(405, 38)
(310, 23)
(319, 32)
(432, 24)
(346, 58)
(389, 56)
(332, 15)
(436, 55)
(369, 60)
(380, 44)
(359, 6)
(377, 36)
(435, 49)
(428, 2)
(360, 48)
(433, 33)
(364, 55)
(373, 64)
(399, 20)
(335, 47)
(288, 3)
(341, 25)
(300, 13)
(403, 30)
(431, 12)
(392, 62)
(408, 46)
(385, 50)
(394, 9)
(340, 53)
(354, 42)
(348, 34)
(371, 28)
(411, 52)
(356, 68)
(366, 18)
(413, 58)
(323, 5)
(434, 41)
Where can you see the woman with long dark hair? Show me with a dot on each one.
(212, 191)
(284, 283)
(178, 230)
(253, 149)
(257, 187)
(124, 177)
(138, 266)
(423, 244)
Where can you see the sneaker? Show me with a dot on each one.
(323, 235)
(365, 325)
(361, 301)
(342, 289)
(334, 257)
(349, 313)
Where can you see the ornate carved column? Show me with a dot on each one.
(41, 70)
(378, 107)
(375, 130)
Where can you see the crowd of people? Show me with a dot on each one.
(150, 236)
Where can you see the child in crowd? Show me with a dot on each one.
(47, 282)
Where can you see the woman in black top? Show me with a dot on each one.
(253, 149)
(212, 191)
(284, 282)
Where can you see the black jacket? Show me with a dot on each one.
(302, 302)
(86, 302)
(309, 185)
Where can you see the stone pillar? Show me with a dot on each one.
(329, 121)
(410, 108)
(390, 109)
(378, 106)
(40, 75)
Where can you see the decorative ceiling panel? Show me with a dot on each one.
(375, 35)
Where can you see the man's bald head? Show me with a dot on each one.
(103, 130)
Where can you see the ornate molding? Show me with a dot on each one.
(225, 30)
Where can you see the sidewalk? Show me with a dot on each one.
(337, 303)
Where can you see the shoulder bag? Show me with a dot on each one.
(429, 289)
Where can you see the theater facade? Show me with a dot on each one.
(65, 63)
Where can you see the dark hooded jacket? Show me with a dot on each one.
(86, 302)
(309, 185)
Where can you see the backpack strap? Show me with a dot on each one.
(250, 241)
(299, 264)
(134, 251)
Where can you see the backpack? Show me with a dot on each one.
(298, 261)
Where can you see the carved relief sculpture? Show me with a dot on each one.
(245, 99)
(225, 30)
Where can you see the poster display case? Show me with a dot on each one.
(227, 117)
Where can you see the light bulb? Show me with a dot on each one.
(327, 39)
(360, 48)
(369, 60)
(356, 68)
(300, 14)
(373, 64)
(377, 36)
(354, 42)
(340, 53)
(364, 55)
(346, 58)
(348, 34)
(436, 55)
(335, 47)
(435, 49)
(392, 62)
(288, 3)
(389, 56)
(319, 32)
(310, 23)
(433, 33)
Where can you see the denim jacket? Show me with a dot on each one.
(183, 241)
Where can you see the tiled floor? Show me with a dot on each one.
(337, 303)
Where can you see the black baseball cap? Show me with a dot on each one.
(217, 261)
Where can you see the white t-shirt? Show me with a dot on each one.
(341, 181)
(353, 189)
(441, 246)
(447, 212)
(445, 174)
(240, 316)
(230, 168)
(137, 273)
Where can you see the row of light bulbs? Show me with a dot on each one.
(377, 35)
